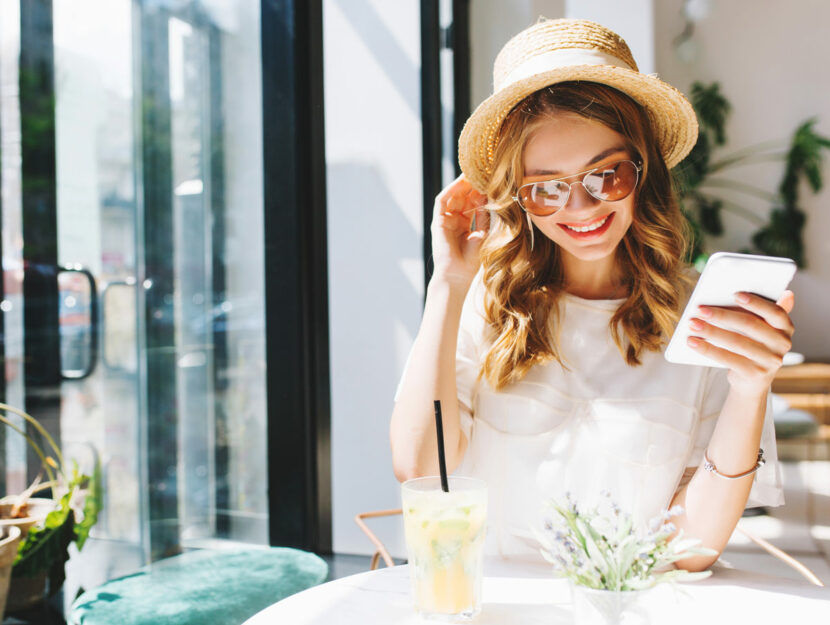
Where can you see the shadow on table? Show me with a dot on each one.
(525, 613)
(723, 576)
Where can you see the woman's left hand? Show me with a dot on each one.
(750, 339)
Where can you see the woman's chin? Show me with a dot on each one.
(589, 253)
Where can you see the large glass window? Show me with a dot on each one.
(159, 208)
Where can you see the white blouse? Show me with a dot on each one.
(599, 425)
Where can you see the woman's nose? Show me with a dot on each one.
(580, 198)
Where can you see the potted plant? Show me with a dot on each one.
(609, 562)
(700, 179)
(49, 525)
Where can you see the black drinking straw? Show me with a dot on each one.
(442, 459)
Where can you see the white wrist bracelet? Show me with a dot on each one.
(708, 465)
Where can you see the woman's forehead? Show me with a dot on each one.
(568, 143)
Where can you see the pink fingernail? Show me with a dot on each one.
(743, 298)
(693, 341)
(696, 324)
(703, 311)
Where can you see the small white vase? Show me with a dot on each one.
(607, 607)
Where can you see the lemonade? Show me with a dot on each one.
(445, 539)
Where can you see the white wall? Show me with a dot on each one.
(770, 59)
(375, 213)
(492, 25)
(632, 20)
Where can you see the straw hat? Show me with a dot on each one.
(553, 51)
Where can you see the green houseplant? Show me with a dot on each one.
(701, 177)
(49, 526)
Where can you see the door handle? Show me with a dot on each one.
(80, 374)
(129, 283)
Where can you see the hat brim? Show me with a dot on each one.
(672, 117)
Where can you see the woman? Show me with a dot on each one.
(548, 310)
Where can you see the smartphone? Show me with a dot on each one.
(724, 275)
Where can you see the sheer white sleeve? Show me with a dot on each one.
(767, 486)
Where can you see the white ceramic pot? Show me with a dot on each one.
(607, 607)
(9, 540)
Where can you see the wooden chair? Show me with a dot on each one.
(382, 552)
(380, 549)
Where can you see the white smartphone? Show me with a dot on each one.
(724, 275)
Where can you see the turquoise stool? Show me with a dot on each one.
(201, 588)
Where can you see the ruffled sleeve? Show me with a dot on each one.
(767, 486)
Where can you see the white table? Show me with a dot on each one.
(529, 595)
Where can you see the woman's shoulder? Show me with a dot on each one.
(689, 276)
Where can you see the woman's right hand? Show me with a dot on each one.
(455, 245)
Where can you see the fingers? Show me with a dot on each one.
(744, 366)
(750, 340)
(458, 208)
(772, 313)
(458, 196)
(745, 324)
(787, 301)
(769, 356)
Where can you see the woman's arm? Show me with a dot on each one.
(752, 343)
(430, 373)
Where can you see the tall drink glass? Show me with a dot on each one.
(445, 544)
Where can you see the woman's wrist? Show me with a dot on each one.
(454, 285)
(750, 392)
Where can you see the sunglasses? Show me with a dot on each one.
(609, 183)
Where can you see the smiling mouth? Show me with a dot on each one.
(590, 226)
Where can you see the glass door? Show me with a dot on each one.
(152, 301)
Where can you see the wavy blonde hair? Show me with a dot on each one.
(522, 286)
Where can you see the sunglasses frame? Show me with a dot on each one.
(638, 166)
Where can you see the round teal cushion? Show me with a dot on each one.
(201, 587)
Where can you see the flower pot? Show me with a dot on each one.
(38, 509)
(25, 592)
(9, 539)
(607, 607)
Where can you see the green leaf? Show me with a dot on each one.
(93, 503)
(46, 548)
(710, 219)
(782, 236)
(712, 109)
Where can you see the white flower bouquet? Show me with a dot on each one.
(601, 549)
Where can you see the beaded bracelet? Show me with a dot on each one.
(708, 465)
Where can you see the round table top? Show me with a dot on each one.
(529, 594)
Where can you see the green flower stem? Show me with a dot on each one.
(725, 183)
(737, 209)
(36, 424)
(750, 151)
(32, 444)
(728, 163)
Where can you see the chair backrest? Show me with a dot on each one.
(380, 549)
(783, 556)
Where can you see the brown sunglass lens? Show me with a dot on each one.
(544, 198)
(612, 183)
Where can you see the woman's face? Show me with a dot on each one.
(569, 144)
